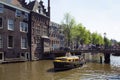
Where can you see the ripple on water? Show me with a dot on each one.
(92, 77)
(41, 70)
(115, 61)
(94, 71)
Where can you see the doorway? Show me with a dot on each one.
(25, 56)
(1, 56)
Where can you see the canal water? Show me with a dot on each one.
(43, 70)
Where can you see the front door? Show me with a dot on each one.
(25, 56)
(46, 45)
(1, 56)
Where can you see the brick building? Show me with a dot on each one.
(14, 29)
(40, 18)
(24, 29)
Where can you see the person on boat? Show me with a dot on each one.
(68, 54)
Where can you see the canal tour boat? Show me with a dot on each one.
(68, 62)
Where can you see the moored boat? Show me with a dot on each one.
(68, 62)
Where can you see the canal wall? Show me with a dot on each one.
(94, 57)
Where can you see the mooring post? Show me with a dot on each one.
(100, 59)
(107, 58)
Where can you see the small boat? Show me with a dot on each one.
(68, 62)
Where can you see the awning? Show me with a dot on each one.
(46, 37)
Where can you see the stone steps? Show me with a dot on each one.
(12, 60)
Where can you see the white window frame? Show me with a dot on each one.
(25, 43)
(11, 22)
(2, 23)
(12, 43)
(1, 8)
(2, 56)
(23, 27)
(1, 41)
(18, 13)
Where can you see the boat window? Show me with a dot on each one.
(76, 59)
(62, 59)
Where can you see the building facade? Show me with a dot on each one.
(39, 31)
(14, 25)
(26, 31)
(56, 36)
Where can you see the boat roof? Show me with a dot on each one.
(69, 57)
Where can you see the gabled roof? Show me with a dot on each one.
(14, 4)
(31, 5)
(37, 7)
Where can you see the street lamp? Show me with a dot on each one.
(104, 34)
(106, 56)
(104, 40)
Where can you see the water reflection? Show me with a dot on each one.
(43, 70)
(26, 71)
(115, 61)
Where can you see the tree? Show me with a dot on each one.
(97, 38)
(80, 34)
(107, 42)
(68, 23)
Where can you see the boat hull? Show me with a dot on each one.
(66, 65)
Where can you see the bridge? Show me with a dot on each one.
(106, 53)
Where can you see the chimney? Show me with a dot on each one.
(22, 2)
(41, 2)
(49, 8)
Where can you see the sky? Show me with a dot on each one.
(101, 16)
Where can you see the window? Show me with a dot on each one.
(26, 16)
(23, 27)
(10, 41)
(23, 43)
(18, 13)
(37, 10)
(1, 8)
(10, 24)
(41, 10)
(1, 23)
(1, 41)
